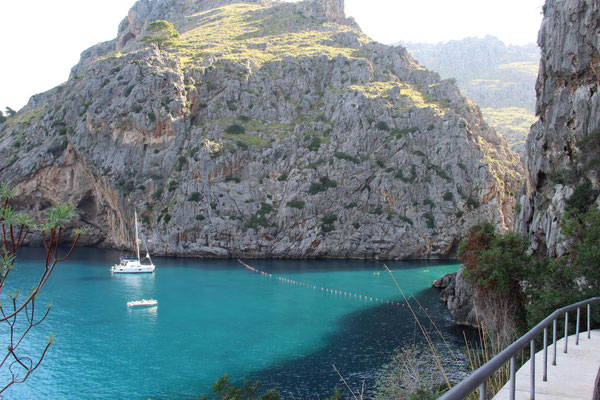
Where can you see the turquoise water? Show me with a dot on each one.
(216, 317)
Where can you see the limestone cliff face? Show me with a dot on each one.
(271, 129)
(564, 144)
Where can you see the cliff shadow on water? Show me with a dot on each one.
(377, 331)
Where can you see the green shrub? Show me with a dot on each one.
(343, 156)
(200, 217)
(429, 203)
(350, 206)
(157, 194)
(244, 118)
(213, 205)
(195, 196)
(356, 225)
(181, 161)
(400, 133)
(230, 178)
(283, 177)
(299, 204)
(571, 278)
(321, 186)
(448, 196)
(172, 186)
(429, 220)
(496, 265)
(329, 219)
(406, 219)
(167, 218)
(260, 217)
(194, 150)
(442, 174)
(235, 129)
(241, 144)
(315, 144)
(494, 261)
(128, 90)
(382, 126)
(265, 208)
(582, 198)
(224, 390)
(409, 179)
(472, 203)
(145, 219)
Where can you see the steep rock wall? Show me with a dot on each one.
(563, 145)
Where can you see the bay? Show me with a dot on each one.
(216, 317)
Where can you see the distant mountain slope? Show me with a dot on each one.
(267, 129)
(500, 79)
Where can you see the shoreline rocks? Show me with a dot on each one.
(457, 296)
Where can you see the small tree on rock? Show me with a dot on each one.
(162, 33)
(10, 112)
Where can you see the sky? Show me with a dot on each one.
(42, 40)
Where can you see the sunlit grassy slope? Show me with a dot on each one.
(512, 122)
(250, 32)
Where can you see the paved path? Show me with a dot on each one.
(574, 376)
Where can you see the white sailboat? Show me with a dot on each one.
(134, 265)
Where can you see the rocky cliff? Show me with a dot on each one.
(564, 144)
(268, 129)
(498, 78)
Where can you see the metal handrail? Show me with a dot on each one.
(479, 378)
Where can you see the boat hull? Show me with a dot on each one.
(135, 304)
(132, 270)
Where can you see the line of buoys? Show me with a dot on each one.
(323, 289)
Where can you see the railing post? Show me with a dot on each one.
(577, 328)
(554, 342)
(513, 378)
(545, 373)
(566, 331)
(589, 318)
(532, 369)
(482, 391)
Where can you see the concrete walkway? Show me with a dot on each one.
(573, 376)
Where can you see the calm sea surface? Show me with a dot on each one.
(216, 317)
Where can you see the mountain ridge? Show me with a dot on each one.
(267, 131)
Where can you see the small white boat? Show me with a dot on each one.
(134, 265)
(143, 303)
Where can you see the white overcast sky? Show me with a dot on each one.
(42, 39)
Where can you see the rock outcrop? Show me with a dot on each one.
(269, 130)
(458, 297)
(564, 144)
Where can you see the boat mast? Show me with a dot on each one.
(137, 240)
